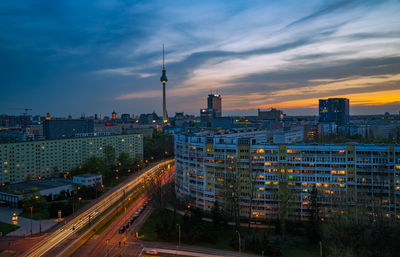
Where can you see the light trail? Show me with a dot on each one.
(69, 229)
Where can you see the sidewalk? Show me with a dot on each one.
(24, 224)
(193, 249)
(230, 223)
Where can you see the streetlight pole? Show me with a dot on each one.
(179, 235)
(240, 250)
(31, 218)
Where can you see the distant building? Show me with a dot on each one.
(272, 114)
(327, 129)
(148, 118)
(179, 116)
(289, 137)
(54, 129)
(213, 110)
(206, 115)
(310, 133)
(146, 130)
(214, 103)
(88, 180)
(125, 117)
(334, 110)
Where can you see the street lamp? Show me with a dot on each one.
(31, 218)
(240, 251)
(179, 235)
(14, 219)
(107, 242)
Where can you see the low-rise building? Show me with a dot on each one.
(14, 193)
(89, 180)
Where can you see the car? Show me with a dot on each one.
(152, 252)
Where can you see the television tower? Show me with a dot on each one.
(164, 80)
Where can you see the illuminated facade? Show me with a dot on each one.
(334, 110)
(33, 159)
(255, 175)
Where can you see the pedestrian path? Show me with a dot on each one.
(25, 224)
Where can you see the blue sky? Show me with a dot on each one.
(74, 57)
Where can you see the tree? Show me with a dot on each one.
(35, 200)
(109, 156)
(55, 171)
(216, 216)
(313, 210)
(125, 162)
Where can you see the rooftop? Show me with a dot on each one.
(35, 185)
(87, 175)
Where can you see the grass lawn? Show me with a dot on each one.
(114, 182)
(300, 249)
(44, 214)
(40, 215)
(6, 228)
(292, 248)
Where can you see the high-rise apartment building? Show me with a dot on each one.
(33, 159)
(334, 110)
(54, 129)
(238, 169)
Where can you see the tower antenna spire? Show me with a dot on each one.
(163, 59)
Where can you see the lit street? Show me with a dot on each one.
(69, 230)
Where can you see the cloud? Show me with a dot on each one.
(125, 71)
(145, 94)
(283, 53)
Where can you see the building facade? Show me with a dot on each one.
(28, 160)
(54, 129)
(334, 110)
(272, 114)
(214, 102)
(88, 180)
(254, 175)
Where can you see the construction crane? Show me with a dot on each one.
(25, 113)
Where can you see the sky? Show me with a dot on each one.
(84, 57)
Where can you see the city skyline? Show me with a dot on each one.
(284, 55)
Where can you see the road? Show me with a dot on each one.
(71, 227)
(112, 243)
